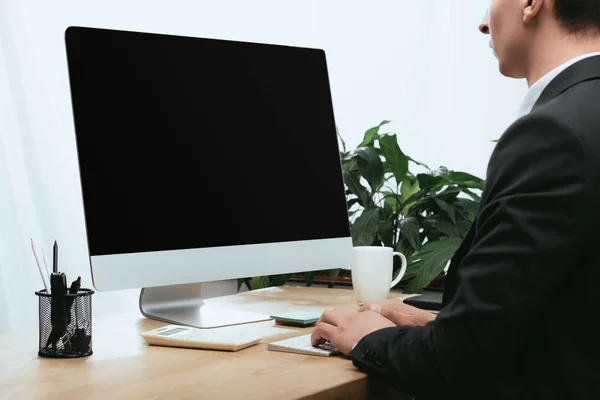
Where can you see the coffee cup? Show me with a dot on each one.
(372, 272)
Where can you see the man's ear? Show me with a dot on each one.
(531, 8)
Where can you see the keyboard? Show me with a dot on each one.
(302, 345)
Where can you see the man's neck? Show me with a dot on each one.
(555, 50)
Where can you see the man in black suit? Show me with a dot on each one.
(521, 298)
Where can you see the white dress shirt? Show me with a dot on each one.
(534, 92)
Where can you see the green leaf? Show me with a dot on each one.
(364, 229)
(404, 247)
(279, 280)
(472, 195)
(426, 264)
(471, 207)
(464, 179)
(449, 209)
(370, 134)
(386, 233)
(449, 195)
(410, 186)
(309, 277)
(428, 182)
(370, 166)
(350, 164)
(341, 139)
(334, 274)
(432, 235)
(391, 200)
(409, 193)
(442, 223)
(413, 201)
(240, 282)
(260, 282)
(354, 186)
(468, 206)
(386, 212)
(394, 157)
(409, 228)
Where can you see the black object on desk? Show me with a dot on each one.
(55, 258)
(59, 313)
(426, 301)
(65, 317)
(66, 333)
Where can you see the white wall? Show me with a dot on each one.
(424, 65)
(421, 64)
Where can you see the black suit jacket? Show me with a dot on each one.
(521, 301)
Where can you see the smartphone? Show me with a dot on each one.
(426, 301)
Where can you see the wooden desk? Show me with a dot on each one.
(123, 366)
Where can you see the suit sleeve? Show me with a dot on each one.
(528, 229)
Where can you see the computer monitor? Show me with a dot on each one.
(203, 160)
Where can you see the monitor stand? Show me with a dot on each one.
(183, 305)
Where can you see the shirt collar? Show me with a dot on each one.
(534, 92)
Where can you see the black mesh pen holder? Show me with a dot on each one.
(66, 325)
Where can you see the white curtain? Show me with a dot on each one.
(18, 273)
(421, 64)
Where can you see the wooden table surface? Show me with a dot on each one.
(123, 366)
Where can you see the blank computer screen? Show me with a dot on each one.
(190, 143)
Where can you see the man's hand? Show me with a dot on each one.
(400, 314)
(344, 328)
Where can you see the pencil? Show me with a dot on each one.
(45, 263)
(42, 274)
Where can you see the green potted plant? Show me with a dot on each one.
(424, 215)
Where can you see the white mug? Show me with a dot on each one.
(372, 272)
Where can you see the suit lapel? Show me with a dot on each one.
(584, 70)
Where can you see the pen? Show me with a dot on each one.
(44, 275)
(55, 259)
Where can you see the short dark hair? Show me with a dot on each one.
(578, 16)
